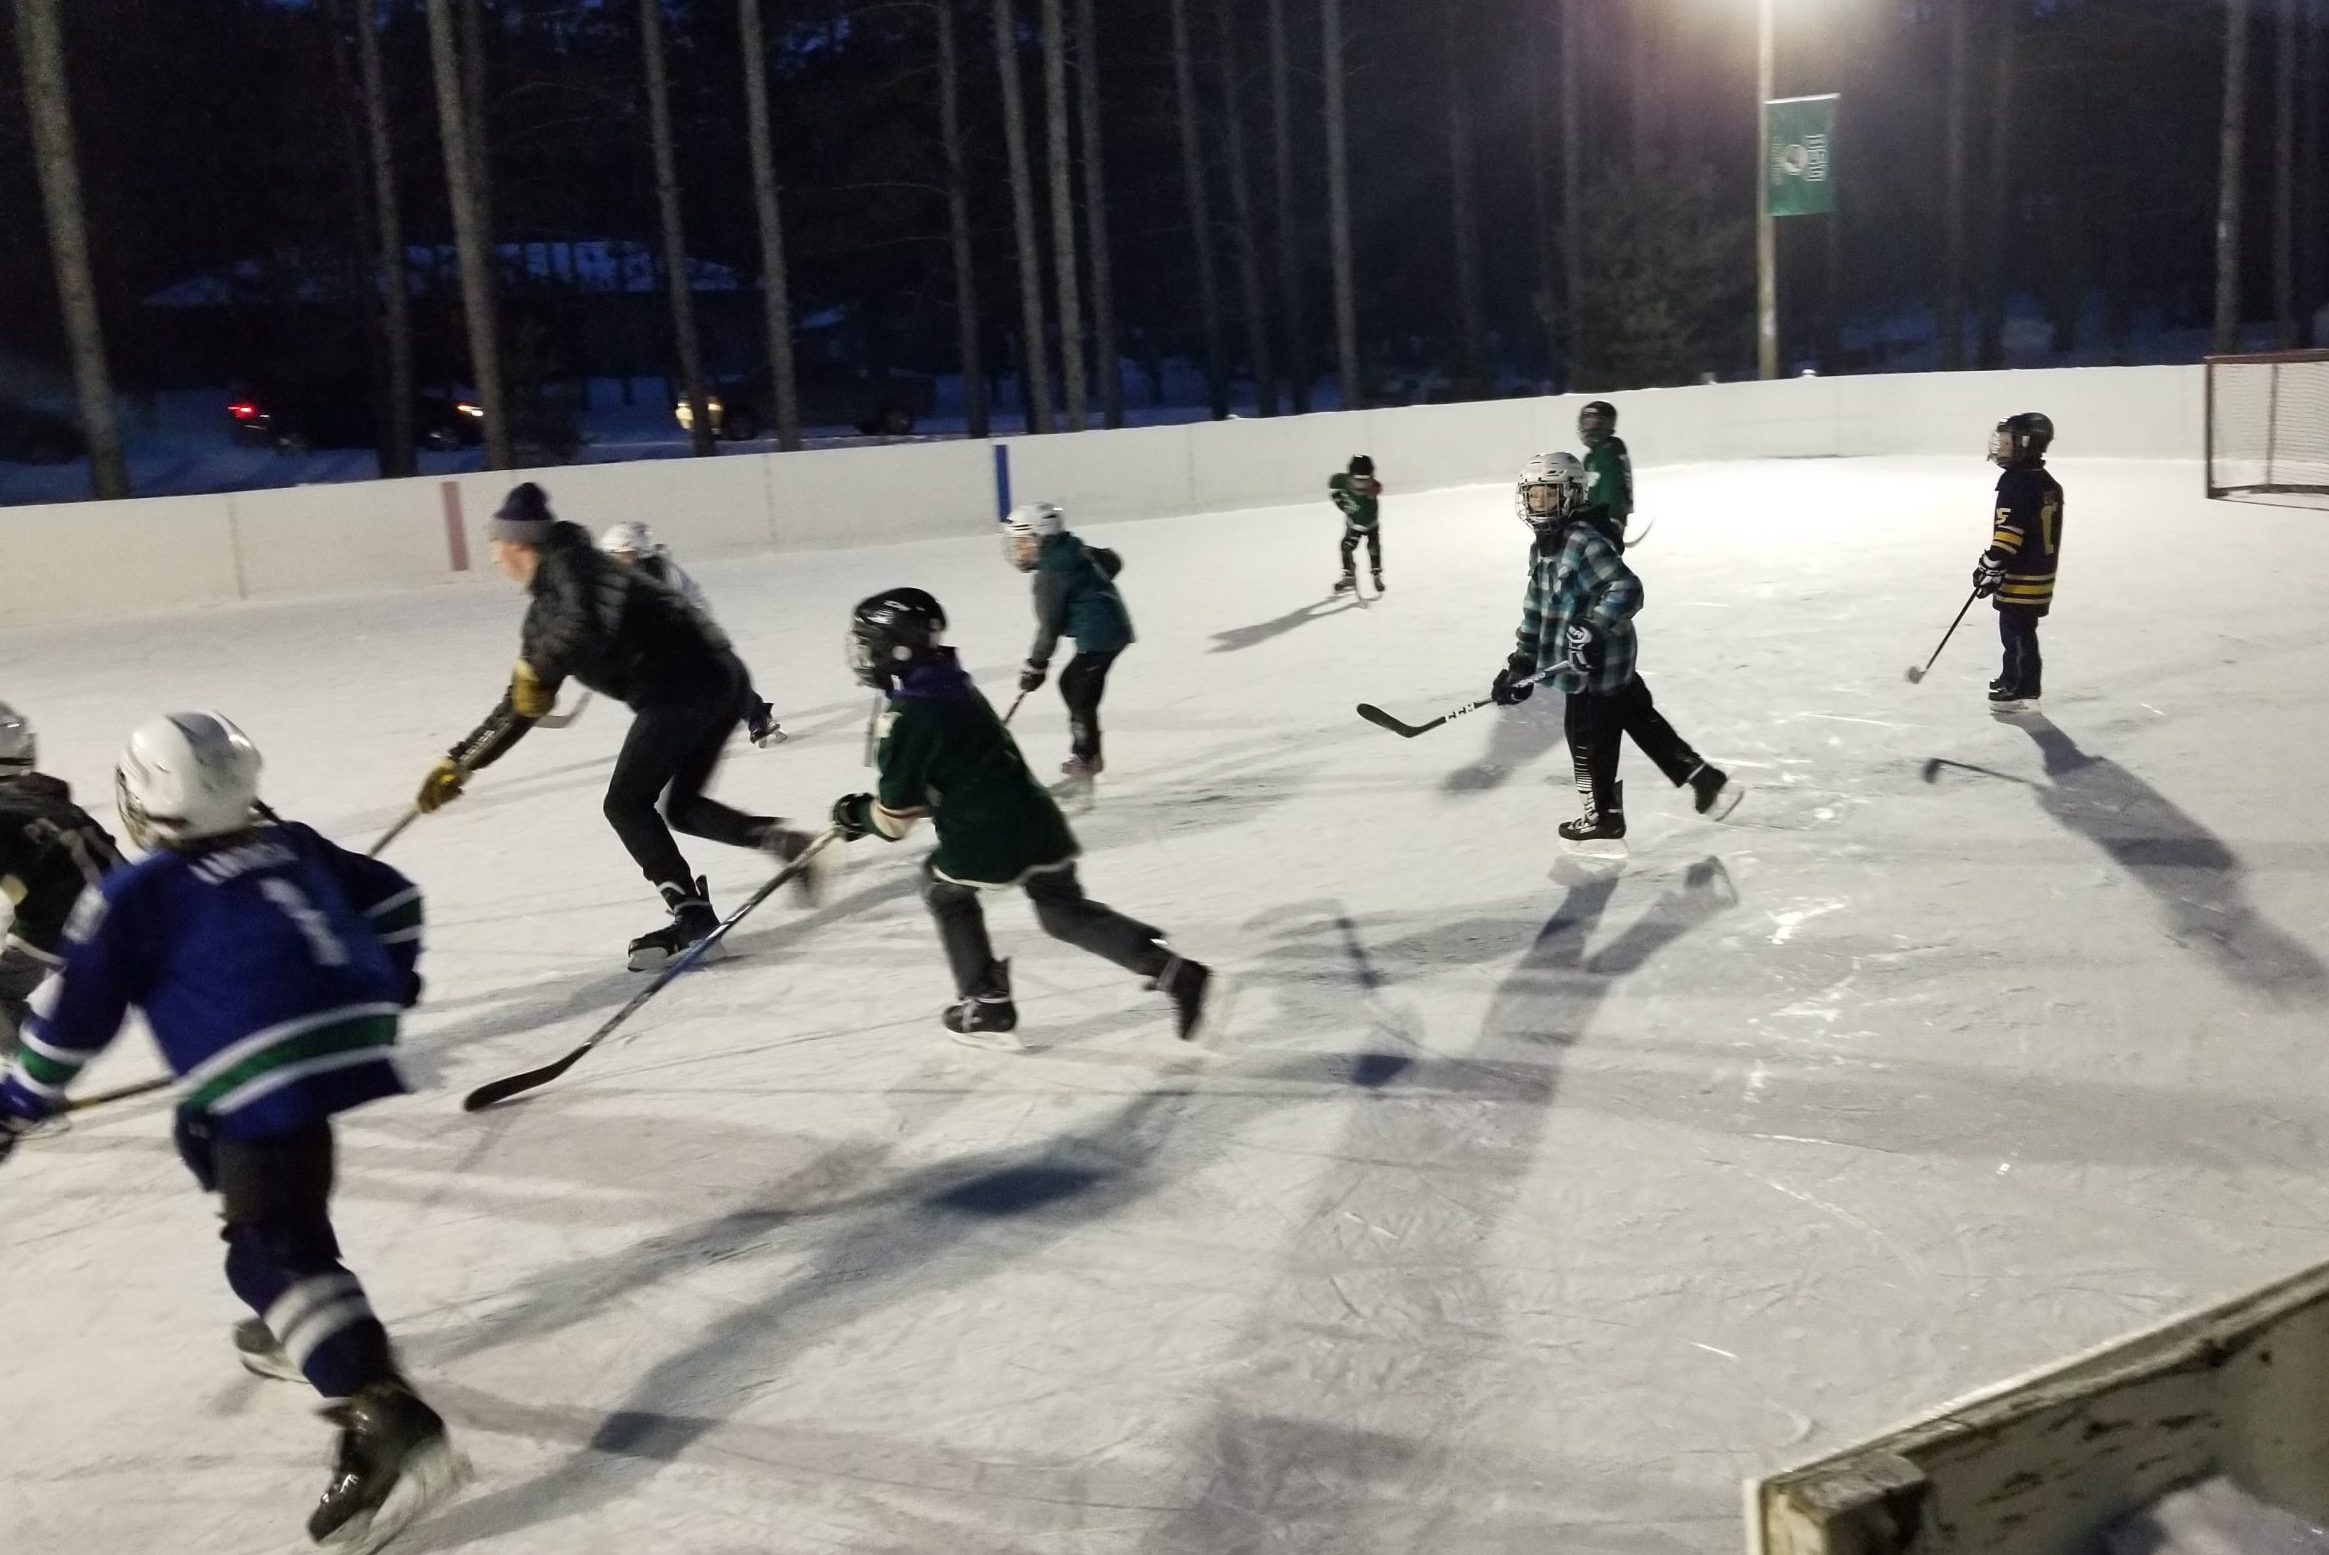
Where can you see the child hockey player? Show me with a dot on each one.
(1360, 496)
(624, 636)
(1577, 622)
(1075, 596)
(2024, 549)
(1609, 472)
(944, 754)
(50, 851)
(271, 967)
(635, 545)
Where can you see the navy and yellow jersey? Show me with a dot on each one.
(2028, 537)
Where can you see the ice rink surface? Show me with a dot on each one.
(1520, 1210)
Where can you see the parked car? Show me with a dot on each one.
(877, 404)
(30, 435)
(293, 418)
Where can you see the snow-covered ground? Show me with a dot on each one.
(1521, 1209)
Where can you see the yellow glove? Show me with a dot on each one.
(526, 693)
(442, 786)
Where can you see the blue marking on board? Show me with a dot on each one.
(1002, 481)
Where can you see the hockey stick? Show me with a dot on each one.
(557, 720)
(873, 722)
(1014, 712)
(119, 1093)
(1915, 675)
(393, 832)
(494, 1092)
(1408, 731)
(1648, 524)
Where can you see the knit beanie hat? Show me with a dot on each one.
(524, 518)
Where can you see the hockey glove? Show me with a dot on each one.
(441, 787)
(1031, 677)
(1511, 685)
(1989, 575)
(853, 816)
(1584, 645)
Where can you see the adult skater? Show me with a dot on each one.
(944, 754)
(271, 967)
(634, 545)
(1577, 622)
(1609, 472)
(1075, 596)
(50, 852)
(624, 636)
(2025, 546)
(1360, 497)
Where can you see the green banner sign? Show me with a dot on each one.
(1802, 175)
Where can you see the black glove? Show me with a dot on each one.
(1989, 575)
(1584, 644)
(1032, 676)
(1512, 684)
(853, 816)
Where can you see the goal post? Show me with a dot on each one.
(2045, 1465)
(2268, 425)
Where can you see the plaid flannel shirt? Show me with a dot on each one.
(1583, 579)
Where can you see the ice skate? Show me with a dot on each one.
(691, 919)
(1378, 583)
(1348, 583)
(1712, 792)
(761, 725)
(2005, 702)
(1600, 831)
(987, 1018)
(262, 1355)
(1076, 775)
(395, 1465)
(787, 844)
(1200, 1000)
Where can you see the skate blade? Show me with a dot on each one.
(1213, 1019)
(2025, 708)
(433, 1474)
(772, 739)
(989, 1041)
(1607, 850)
(1726, 799)
(657, 960)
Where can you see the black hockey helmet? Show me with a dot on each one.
(891, 632)
(1596, 422)
(2021, 439)
(1362, 464)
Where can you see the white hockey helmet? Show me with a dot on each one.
(1027, 528)
(183, 777)
(18, 749)
(1551, 485)
(631, 539)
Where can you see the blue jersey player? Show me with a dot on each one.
(271, 967)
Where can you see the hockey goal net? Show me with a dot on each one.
(2268, 426)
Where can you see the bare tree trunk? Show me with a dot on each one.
(775, 284)
(1573, 182)
(1346, 305)
(1200, 213)
(1648, 90)
(473, 96)
(2314, 229)
(1063, 212)
(1249, 242)
(966, 290)
(2284, 181)
(1464, 218)
(1540, 189)
(675, 268)
(470, 237)
(1034, 349)
(1105, 348)
(40, 47)
(1950, 325)
(395, 270)
(2232, 151)
(1290, 299)
(1999, 217)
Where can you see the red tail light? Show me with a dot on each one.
(242, 410)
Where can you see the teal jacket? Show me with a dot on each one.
(1075, 596)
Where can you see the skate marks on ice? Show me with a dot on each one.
(2199, 883)
(1401, 1337)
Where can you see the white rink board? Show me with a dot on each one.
(98, 561)
(1524, 1212)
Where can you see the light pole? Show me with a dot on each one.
(1766, 234)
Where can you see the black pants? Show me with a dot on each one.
(282, 1255)
(1081, 685)
(21, 971)
(2017, 628)
(1597, 726)
(672, 751)
(1063, 910)
(1350, 548)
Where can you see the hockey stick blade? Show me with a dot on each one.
(556, 720)
(494, 1092)
(1382, 720)
(120, 1093)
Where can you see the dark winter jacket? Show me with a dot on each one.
(1576, 575)
(50, 851)
(1075, 596)
(614, 629)
(1609, 489)
(946, 756)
